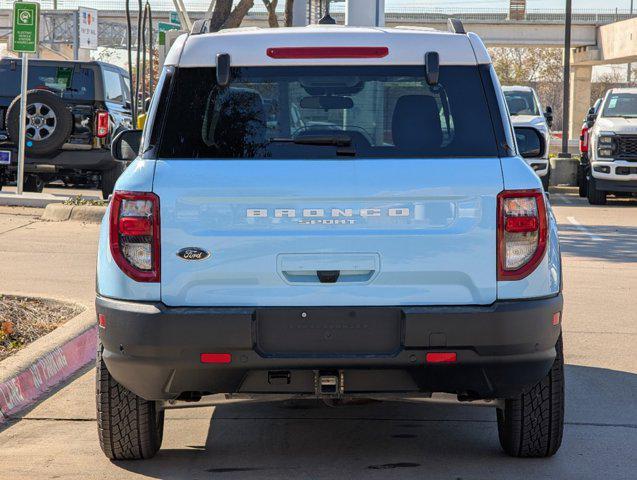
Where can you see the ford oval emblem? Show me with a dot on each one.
(193, 253)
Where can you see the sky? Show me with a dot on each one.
(548, 4)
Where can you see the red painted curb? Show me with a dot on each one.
(56, 366)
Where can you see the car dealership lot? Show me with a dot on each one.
(57, 438)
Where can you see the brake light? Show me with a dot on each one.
(327, 52)
(134, 234)
(583, 140)
(522, 232)
(441, 357)
(215, 358)
(102, 124)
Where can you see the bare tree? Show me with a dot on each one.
(270, 6)
(224, 16)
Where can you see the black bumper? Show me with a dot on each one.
(96, 159)
(616, 185)
(155, 350)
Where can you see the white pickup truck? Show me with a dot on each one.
(613, 147)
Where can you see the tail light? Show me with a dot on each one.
(102, 124)
(522, 232)
(134, 234)
(583, 140)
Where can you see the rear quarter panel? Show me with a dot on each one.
(546, 279)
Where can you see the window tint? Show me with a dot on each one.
(621, 105)
(521, 102)
(67, 81)
(276, 112)
(113, 91)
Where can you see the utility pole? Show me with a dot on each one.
(629, 68)
(567, 80)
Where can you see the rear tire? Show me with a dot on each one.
(109, 177)
(129, 427)
(33, 183)
(582, 182)
(595, 197)
(531, 425)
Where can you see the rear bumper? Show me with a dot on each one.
(155, 350)
(96, 159)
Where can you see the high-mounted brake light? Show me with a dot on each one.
(134, 234)
(327, 52)
(102, 124)
(441, 357)
(522, 232)
(215, 358)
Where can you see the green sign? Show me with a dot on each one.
(174, 18)
(163, 27)
(26, 26)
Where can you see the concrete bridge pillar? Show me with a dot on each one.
(365, 13)
(581, 77)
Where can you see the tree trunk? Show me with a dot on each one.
(236, 16)
(287, 19)
(270, 6)
(220, 14)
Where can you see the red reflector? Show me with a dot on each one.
(102, 124)
(101, 320)
(441, 357)
(216, 358)
(134, 226)
(557, 317)
(327, 52)
(521, 224)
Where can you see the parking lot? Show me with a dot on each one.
(57, 438)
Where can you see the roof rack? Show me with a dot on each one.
(455, 25)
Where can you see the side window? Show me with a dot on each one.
(113, 91)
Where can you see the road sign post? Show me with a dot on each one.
(26, 26)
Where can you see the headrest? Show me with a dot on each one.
(416, 124)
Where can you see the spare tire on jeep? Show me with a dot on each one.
(49, 122)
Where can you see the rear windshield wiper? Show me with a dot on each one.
(343, 143)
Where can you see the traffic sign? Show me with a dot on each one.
(26, 26)
(174, 18)
(88, 27)
(163, 27)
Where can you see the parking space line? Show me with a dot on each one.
(583, 229)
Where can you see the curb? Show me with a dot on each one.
(31, 372)
(79, 213)
(27, 199)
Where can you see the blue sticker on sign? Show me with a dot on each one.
(29, 143)
(5, 157)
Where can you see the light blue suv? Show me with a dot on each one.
(329, 212)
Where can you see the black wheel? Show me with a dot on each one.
(595, 197)
(33, 183)
(531, 425)
(109, 177)
(48, 123)
(129, 427)
(546, 180)
(582, 181)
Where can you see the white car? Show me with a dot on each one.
(526, 111)
(613, 147)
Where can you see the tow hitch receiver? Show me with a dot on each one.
(329, 382)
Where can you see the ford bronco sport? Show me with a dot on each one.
(74, 109)
(329, 212)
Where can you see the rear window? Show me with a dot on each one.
(280, 112)
(69, 82)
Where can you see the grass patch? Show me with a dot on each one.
(80, 200)
(25, 319)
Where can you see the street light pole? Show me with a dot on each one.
(567, 80)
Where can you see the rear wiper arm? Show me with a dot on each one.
(339, 141)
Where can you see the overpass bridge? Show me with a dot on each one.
(539, 28)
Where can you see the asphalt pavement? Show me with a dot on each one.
(308, 440)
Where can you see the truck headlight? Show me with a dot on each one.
(606, 145)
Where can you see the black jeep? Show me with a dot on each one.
(74, 108)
